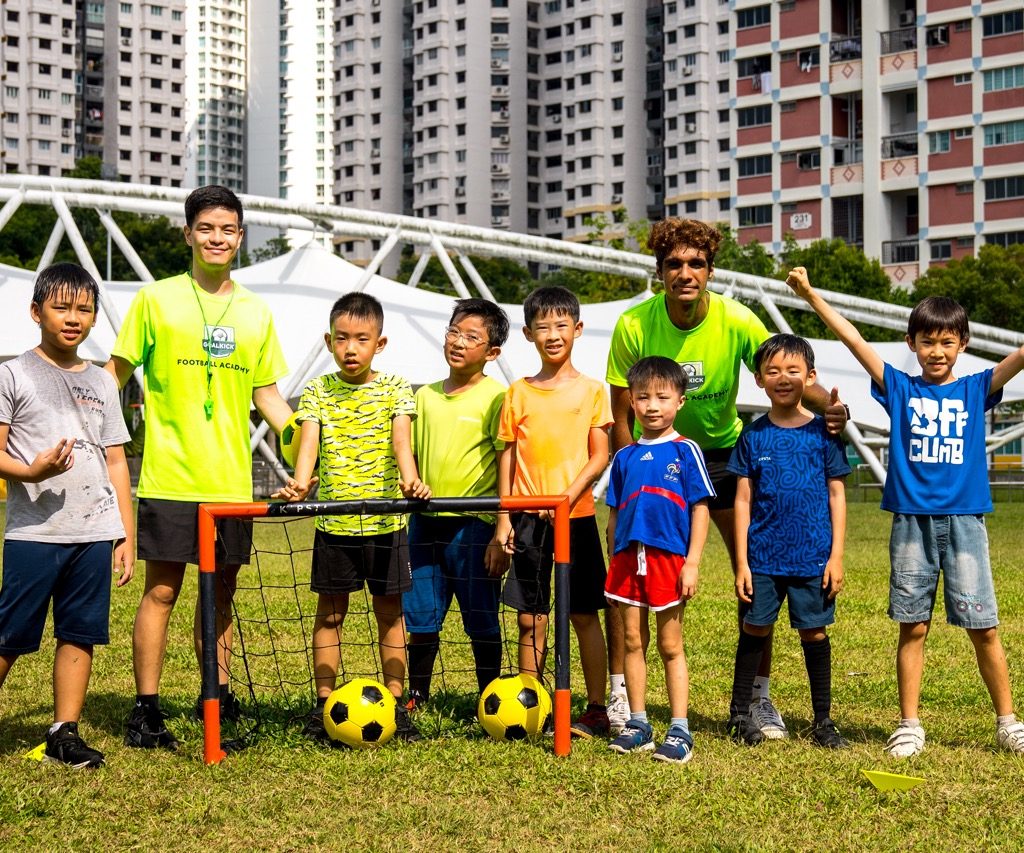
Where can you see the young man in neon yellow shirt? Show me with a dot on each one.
(710, 336)
(207, 348)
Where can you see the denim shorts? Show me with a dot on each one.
(809, 604)
(922, 546)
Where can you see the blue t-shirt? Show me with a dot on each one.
(790, 529)
(937, 459)
(654, 485)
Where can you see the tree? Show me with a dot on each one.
(752, 258)
(990, 286)
(273, 248)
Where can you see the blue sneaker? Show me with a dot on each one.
(677, 748)
(636, 736)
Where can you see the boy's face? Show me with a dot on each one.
(784, 376)
(685, 272)
(937, 353)
(467, 348)
(655, 407)
(215, 236)
(354, 341)
(65, 319)
(553, 335)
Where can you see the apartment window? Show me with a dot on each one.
(941, 250)
(749, 167)
(938, 142)
(1005, 133)
(962, 79)
(998, 79)
(758, 16)
(998, 189)
(754, 116)
(1007, 22)
(964, 188)
(759, 214)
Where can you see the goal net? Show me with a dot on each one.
(272, 616)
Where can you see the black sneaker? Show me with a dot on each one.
(827, 735)
(742, 730)
(64, 746)
(147, 731)
(405, 728)
(314, 728)
(230, 708)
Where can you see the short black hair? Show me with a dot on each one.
(64, 278)
(209, 196)
(551, 300)
(935, 314)
(656, 370)
(493, 317)
(787, 345)
(360, 305)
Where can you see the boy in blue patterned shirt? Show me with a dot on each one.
(790, 531)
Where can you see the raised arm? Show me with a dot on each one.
(1006, 370)
(843, 328)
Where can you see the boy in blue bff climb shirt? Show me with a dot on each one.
(937, 490)
(790, 531)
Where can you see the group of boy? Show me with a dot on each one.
(774, 488)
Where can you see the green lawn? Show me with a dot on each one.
(458, 788)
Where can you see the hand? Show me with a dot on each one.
(504, 535)
(52, 462)
(688, 580)
(744, 585)
(835, 414)
(293, 490)
(833, 578)
(496, 561)
(415, 488)
(801, 284)
(124, 560)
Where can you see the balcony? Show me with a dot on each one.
(899, 146)
(844, 49)
(898, 41)
(900, 261)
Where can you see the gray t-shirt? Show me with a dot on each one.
(43, 404)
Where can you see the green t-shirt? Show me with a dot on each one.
(357, 457)
(710, 355)
(189, 456)
(455, 439)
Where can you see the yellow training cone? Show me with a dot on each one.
(37, 753)
(891, 781)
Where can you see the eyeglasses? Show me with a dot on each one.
(453, 333)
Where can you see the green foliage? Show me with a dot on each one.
(751, 258)
(990, 286)
(507, 280)
(273, 248)
(158, 242)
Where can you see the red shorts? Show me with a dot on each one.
(651, 581)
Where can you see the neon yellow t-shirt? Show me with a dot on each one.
(710, 355)
(189, 456)
(357, 457)
(551, 429)
(455, 439)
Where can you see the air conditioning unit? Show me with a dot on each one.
(66, 32)
(495, 63)
(460, 192)
(691, 128)
(937, 36)
(687, 70)
(617, 57)
(374, 153)
(556, 118)
(127, 42)
(496, 220)
(503, 139)
(616, 199)
(375, 3)
(495, 167)
(908, 18)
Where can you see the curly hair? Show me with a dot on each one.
(667, 235)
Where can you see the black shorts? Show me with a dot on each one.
(342, 564)
(528, 585)
(169, 530)
(723, 480)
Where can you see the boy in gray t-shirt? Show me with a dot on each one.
(69, 507)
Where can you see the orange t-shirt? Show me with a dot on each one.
(551, 430)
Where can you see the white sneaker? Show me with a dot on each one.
(1011, 737)
(618, 712)
(909, 740)
(767, 718)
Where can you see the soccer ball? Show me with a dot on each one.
(514, 707)
(290, 434)
(360, 713)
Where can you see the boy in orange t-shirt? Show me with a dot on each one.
(554, 426)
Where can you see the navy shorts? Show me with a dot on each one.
(75, 576)
(723, 481)
(169, 531)
(809, 605)
(447, 555)
(342, 564)
(528, 587)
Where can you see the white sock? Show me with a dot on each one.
(56, 726)
(1005, 720)
(760, 688)
(618, 683)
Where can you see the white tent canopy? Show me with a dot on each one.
(302, 285)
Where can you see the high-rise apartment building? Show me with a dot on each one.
(895, 127)
(102, 79)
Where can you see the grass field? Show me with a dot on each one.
(460, 790)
